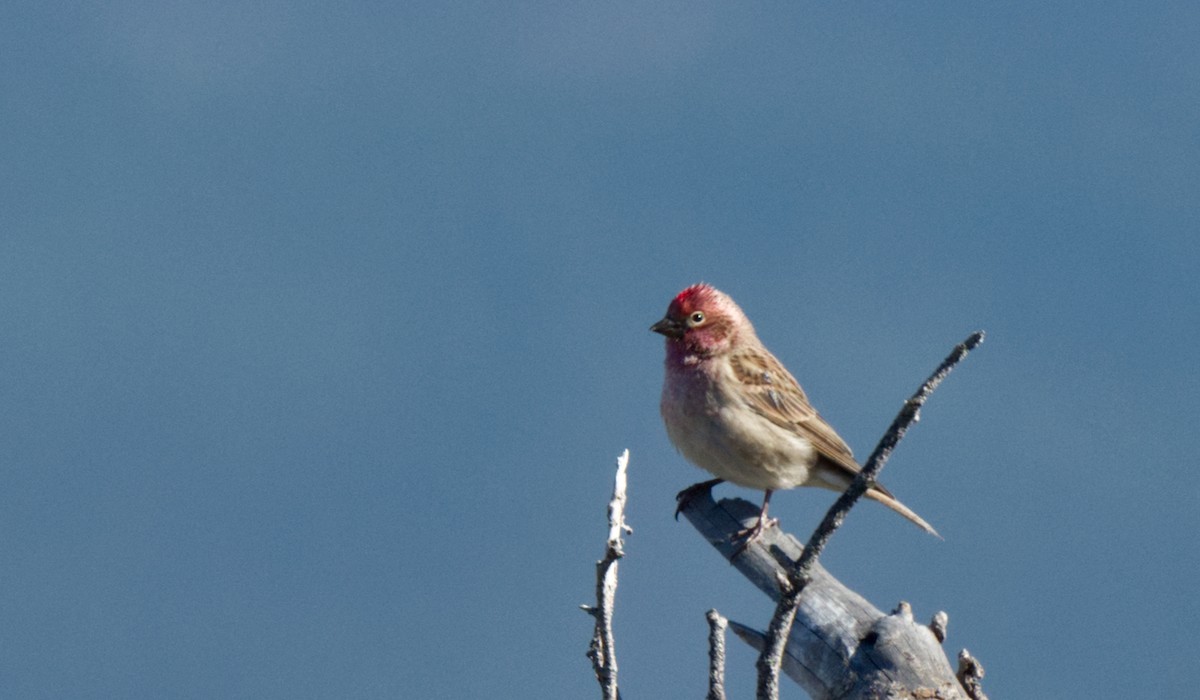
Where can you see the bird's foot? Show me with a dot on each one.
(685, 496)
(750, 534)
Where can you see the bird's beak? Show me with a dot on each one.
(668, 327)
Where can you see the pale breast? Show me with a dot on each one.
(719, 433)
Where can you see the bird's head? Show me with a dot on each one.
(703, 320)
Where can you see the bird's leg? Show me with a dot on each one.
(763, 521)
(751, 533)
(683, 497)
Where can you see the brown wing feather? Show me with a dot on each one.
(775, 395)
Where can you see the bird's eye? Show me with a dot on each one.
(697, 318)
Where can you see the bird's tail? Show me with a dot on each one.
(890, 501)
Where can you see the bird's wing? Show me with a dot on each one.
(775, 395)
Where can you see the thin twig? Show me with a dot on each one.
(716, 655)
(602, 650)
(908, 415)
(771, 658)
(789, 601)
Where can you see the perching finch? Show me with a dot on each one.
(731, 408)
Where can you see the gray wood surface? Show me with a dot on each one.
(840, 646)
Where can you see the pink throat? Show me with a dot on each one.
(681, 353)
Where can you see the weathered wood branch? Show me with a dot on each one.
(602, 650)
(840, 646)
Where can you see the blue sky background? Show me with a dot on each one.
(323, 325)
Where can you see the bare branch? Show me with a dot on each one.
(908, 415)
(840, 647)
(716, 655)
(602, 650)
(770, 660)
(785, 612)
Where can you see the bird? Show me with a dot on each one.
(731, 408)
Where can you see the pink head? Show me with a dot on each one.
(704, 321)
